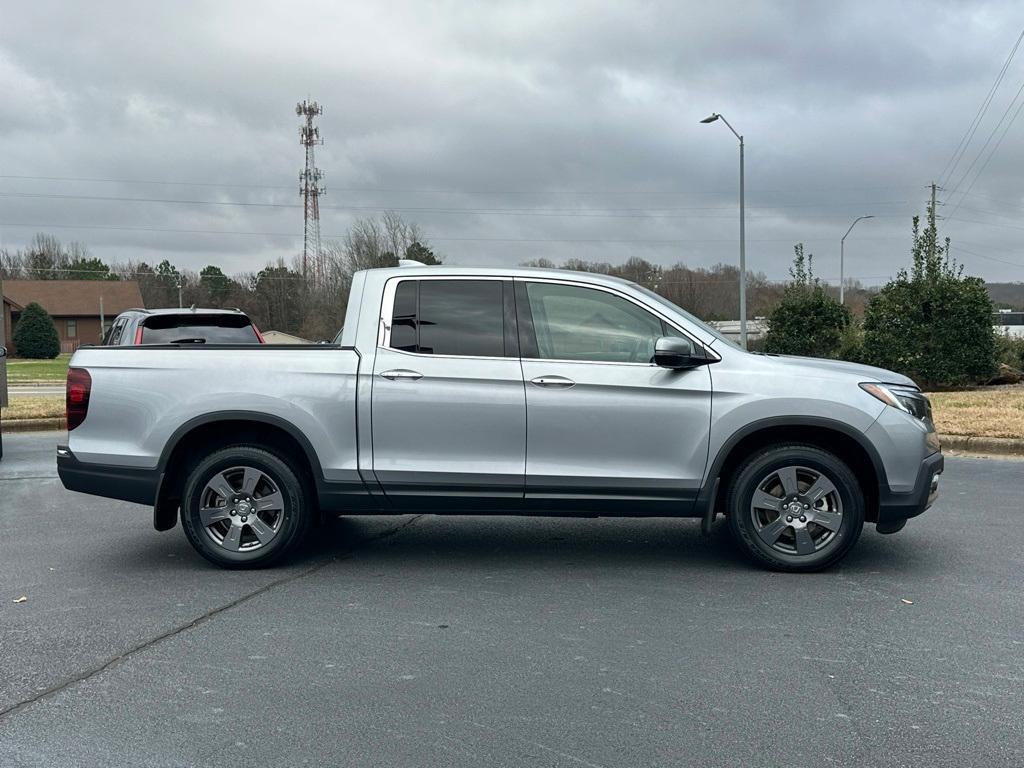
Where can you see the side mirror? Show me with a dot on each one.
(676, 353)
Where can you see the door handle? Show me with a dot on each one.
(554, 382)
(401, 374)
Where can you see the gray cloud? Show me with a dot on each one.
(470, 116)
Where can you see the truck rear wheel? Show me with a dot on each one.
(795, 508)
(244, 507)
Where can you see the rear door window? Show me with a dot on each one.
(198, 329)
(449, 317)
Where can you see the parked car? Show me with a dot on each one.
(182, 326)
(512, 391)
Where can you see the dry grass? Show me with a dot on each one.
(34, 407)
(991, 412)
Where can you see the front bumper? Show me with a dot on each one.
(894, 508)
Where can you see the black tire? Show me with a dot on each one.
(280, 485)
(800, 544)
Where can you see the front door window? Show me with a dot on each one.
(585, 324)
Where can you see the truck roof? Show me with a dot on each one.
(408, 270)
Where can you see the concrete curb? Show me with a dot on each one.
(1003, 446)
(33, 425)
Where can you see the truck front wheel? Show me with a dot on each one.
(795, 507)
(244, 507)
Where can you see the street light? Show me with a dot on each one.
(743, 234)
(842, 254)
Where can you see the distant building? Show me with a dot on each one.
(756, 328)
(280, 337)
(82, 310)
(1008, 322)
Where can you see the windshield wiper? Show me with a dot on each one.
(191, 340)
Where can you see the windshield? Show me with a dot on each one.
(658, 299)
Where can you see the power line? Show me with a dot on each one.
(968, 136)
(990, 258)
(373, 190)
(990, 224)
(438, 238)
(544, 212)
(992, 153)
(94, 179)
(991, 135)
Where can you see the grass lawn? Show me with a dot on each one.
(990, 412)
(19, 371)
(34, 407)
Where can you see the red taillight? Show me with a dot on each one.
(138, 335)
(258, 334)
(77, 402)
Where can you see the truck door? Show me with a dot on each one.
(448, 403)
(608, 428)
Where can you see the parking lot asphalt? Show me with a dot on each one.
(474, 641)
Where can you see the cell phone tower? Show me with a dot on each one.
(310, 189)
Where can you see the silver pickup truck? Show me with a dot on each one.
(501, 391)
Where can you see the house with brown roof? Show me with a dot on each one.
(82, 310)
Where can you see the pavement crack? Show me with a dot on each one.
(87, 674)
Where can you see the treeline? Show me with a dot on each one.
(277, 297)
(710, 293)
(280, 297)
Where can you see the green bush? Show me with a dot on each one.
(851, 345)
(932, 323)
(807, 321)
(35, 335)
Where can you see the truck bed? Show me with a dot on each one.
(142, 395)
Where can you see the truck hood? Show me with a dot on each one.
(810, 365)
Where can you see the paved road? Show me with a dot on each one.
(425, 641)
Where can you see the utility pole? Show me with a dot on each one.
(179, 294)
(310, 190)
(932, 217)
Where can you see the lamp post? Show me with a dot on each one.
(743, 234)
(842, 257)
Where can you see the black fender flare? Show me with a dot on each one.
(706, 497)
(165, 507)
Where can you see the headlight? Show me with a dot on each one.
(908, 399)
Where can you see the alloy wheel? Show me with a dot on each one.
(241, 509)
(797, 510)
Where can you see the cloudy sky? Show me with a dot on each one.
(515, 131)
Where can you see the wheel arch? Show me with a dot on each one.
(847, 443)
(220, 429)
